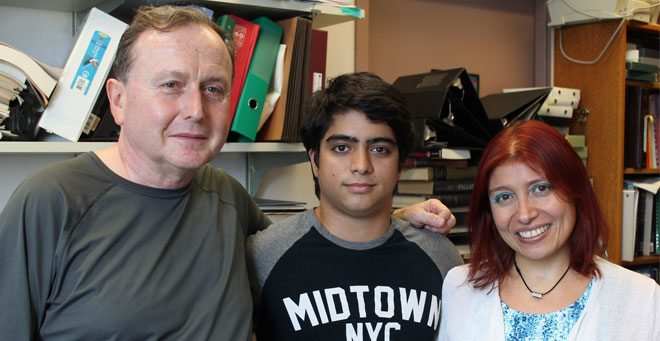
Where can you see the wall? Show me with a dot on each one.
(43, 34)
(495, 39)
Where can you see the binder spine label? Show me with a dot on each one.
(90, 62)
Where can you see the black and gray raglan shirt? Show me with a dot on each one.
(308, 284)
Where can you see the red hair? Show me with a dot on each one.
(546, 151)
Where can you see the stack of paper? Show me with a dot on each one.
(269, 205)
(19, 67)
(26, 86)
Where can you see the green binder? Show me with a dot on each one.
(248, 110)
(227, 24)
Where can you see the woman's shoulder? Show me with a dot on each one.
(614, 275)
(458, 275)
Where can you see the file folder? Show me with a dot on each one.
(511, 107)
(628, 224)
(248, 110)
(318, 57)
(244, 35)
(288, 106)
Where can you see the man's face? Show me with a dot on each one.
(174, 104)
(358, 166)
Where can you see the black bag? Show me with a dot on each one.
(23, 120)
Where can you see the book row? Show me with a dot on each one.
(278, 64)
(640, 223)
(642, 128)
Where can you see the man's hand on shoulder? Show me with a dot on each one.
(431, 214)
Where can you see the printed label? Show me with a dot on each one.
(90, 62)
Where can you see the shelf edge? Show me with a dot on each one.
(36, 147)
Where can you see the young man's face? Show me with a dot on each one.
(358, 166)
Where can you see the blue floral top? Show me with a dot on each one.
(551, 326)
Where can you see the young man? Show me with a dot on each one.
(349, 270)
(143, 240)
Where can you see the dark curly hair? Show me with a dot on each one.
(364, 92)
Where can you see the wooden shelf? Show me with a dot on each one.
(650, 85)
(643, 28)
(602, 88)
(36, 147)
(643, 260)
(643, 171)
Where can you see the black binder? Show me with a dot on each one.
(446, 102)
(511, 107)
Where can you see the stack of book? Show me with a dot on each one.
(580, 146)
(459, 234)
(642, 63)
(443, 173)
(25, 89)
(642, 72)
(446, 174)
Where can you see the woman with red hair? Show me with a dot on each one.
(537, 241)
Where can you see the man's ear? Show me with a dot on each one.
(315, 168)
(117, 98)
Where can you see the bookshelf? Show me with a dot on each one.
(323, 15)
(603, 87)
(247, 162)
(269, 6)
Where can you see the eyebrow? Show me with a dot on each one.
(168, 73)
(340, 137)
(529, 184)
(178, 74)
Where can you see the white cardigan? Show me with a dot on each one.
(622, 305)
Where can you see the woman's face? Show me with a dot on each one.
(527, 212)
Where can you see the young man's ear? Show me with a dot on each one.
(117, 98)
(312, 159)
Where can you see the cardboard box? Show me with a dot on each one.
(83, 76)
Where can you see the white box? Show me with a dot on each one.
(564, 12)
(83, 76)
(582, 11)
